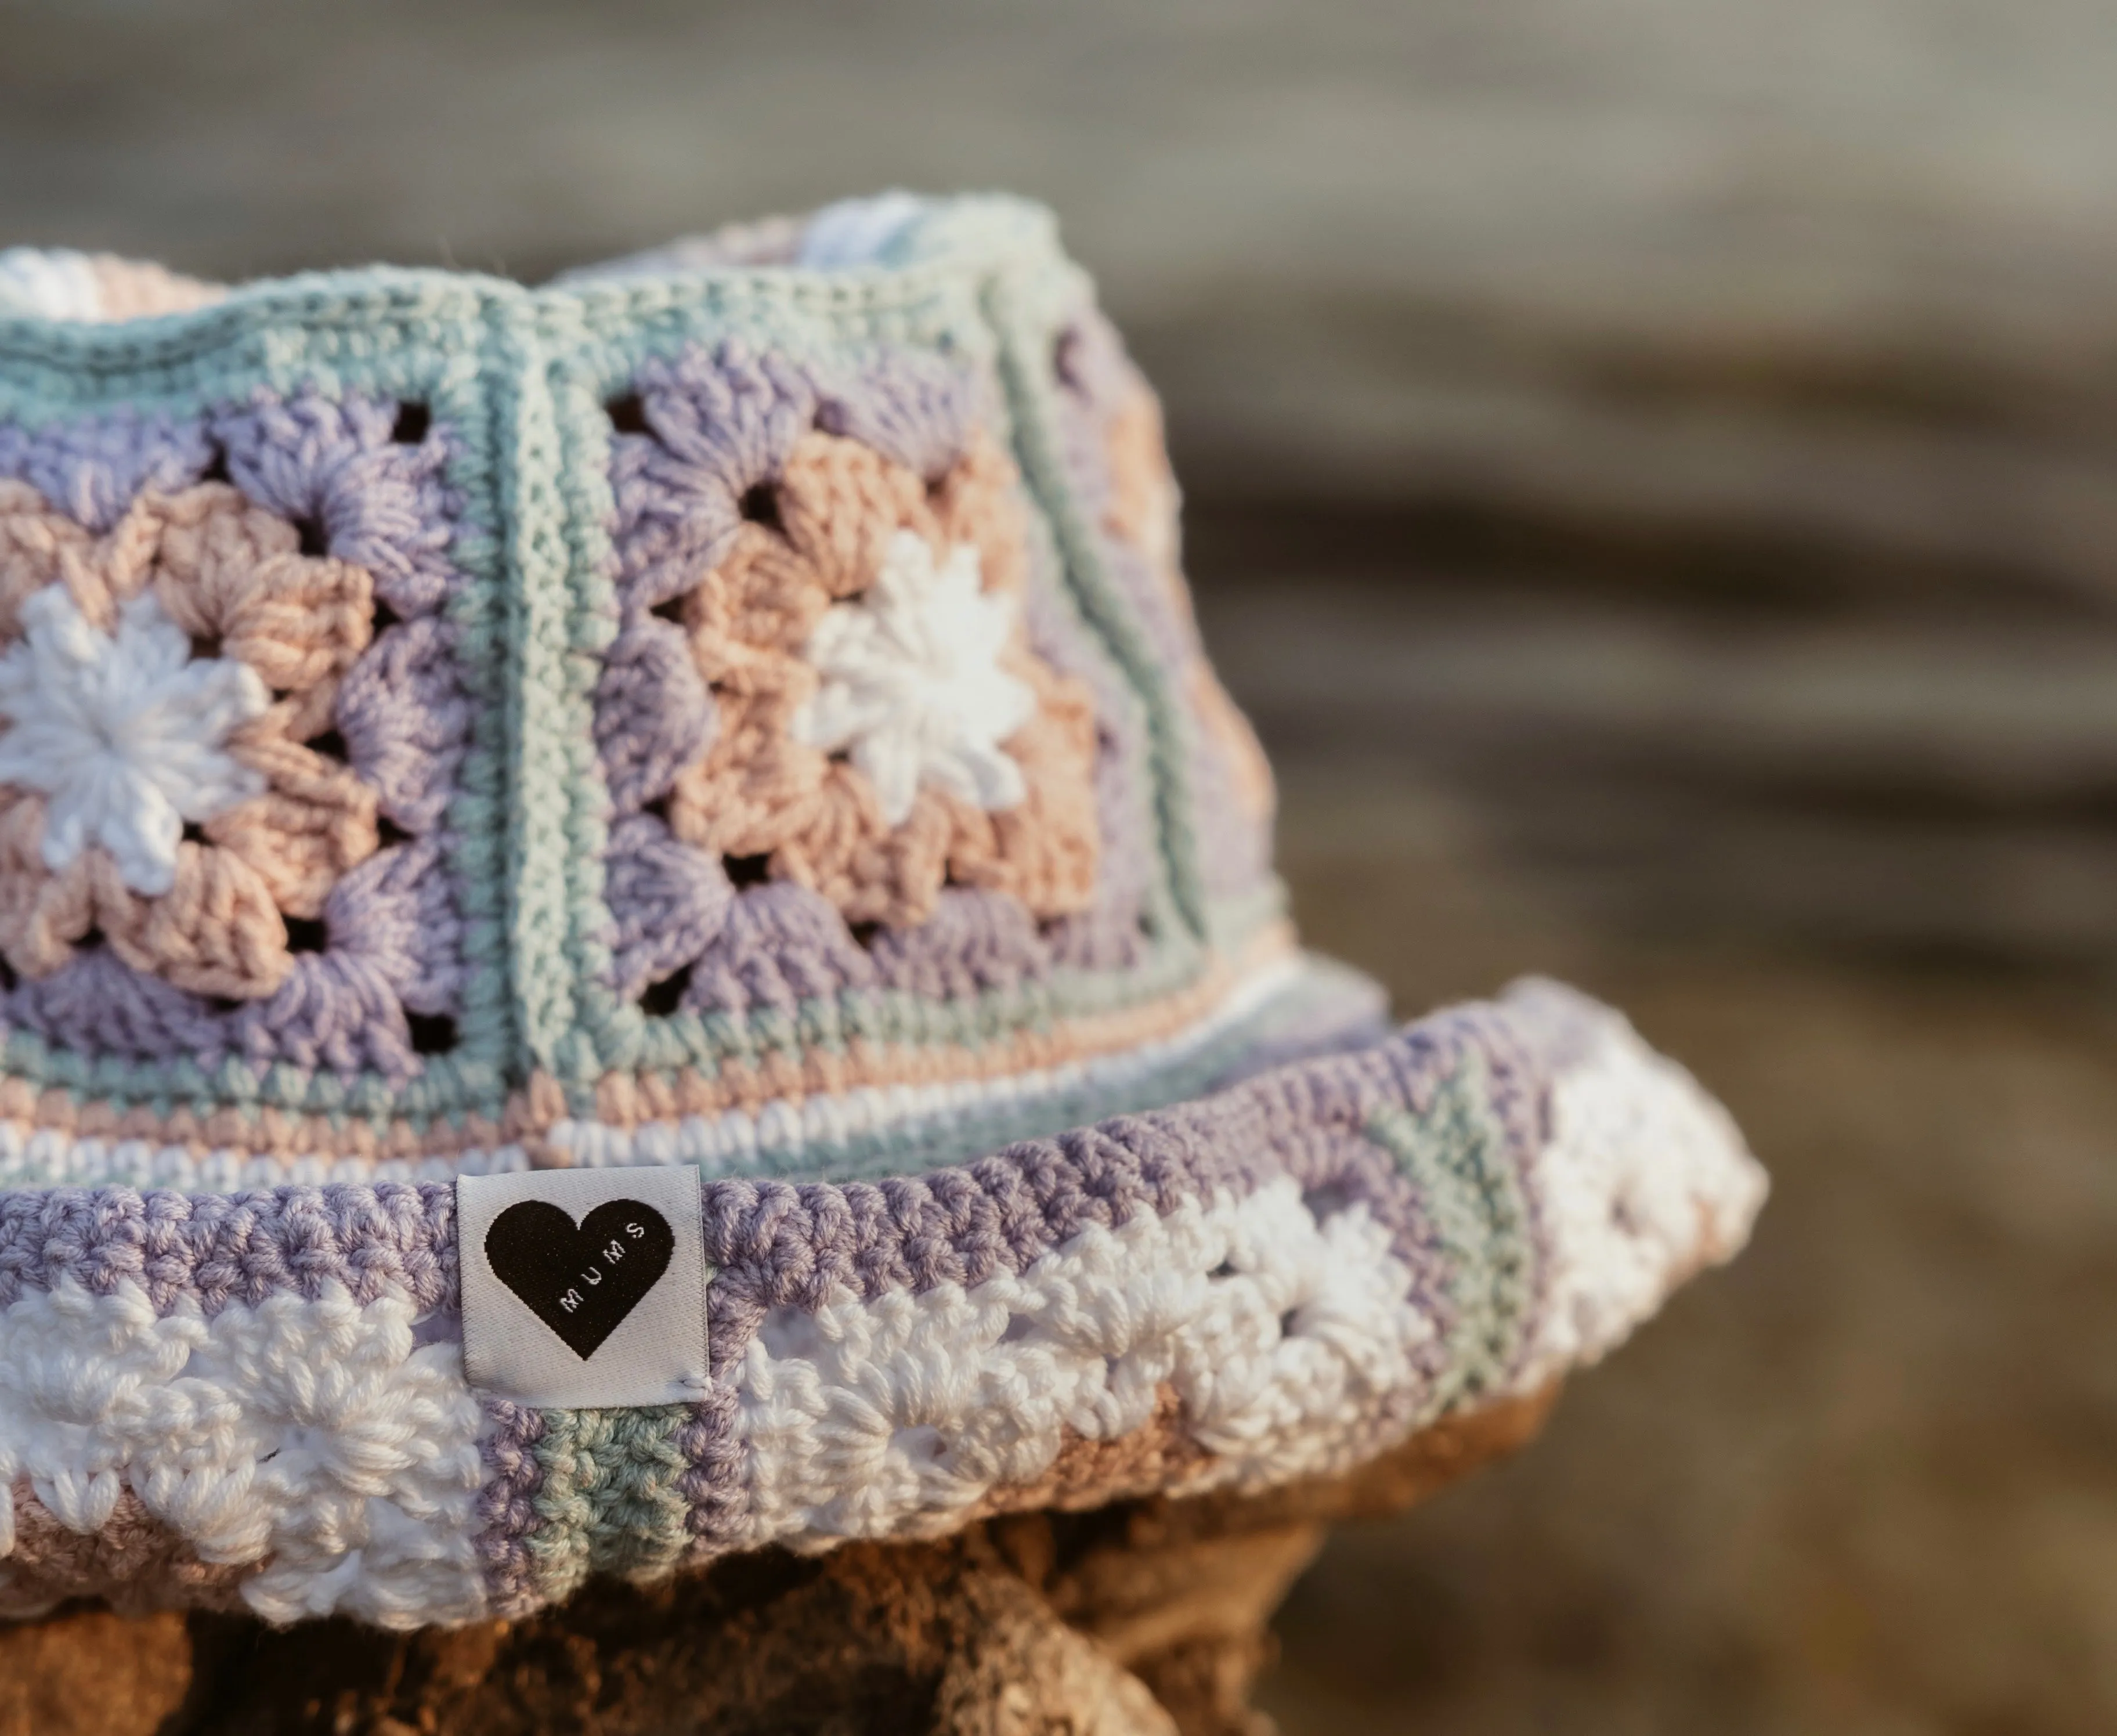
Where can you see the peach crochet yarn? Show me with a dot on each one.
(232, 576)
(819, 536)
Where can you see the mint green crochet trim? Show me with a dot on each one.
(1235, 922)
(1455, 1153)
(1026, 300)
(473, 843)
(332, 332)
(609, 1502)
(552, 730)
(576, 1051)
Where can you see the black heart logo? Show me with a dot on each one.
(581, 1280)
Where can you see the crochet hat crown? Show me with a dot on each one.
(703, 711)
(713, 754)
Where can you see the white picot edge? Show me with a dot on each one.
(858, 232)
(49, 283)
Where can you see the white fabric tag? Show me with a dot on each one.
(584, 1287)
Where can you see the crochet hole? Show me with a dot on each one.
(205, 646)
(760, 506)
(1065, 357)
(216, 470)
(671, 608)
(1326, 1201)
(331, 744)
(662, 999)
(747, 870)
(864, 935)
(627, 414)
(432, 1033)
(381, 617)
(388, 832)
(306, 934)
(921, 1441)
(7, 977)
(410, 427)
(1289, 1323)
(440, 1327)
(1225, 1269)
(313, 540)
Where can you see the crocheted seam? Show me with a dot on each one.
(1117, 463)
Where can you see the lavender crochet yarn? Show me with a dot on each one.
(736, 708)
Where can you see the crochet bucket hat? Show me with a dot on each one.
(633, 927)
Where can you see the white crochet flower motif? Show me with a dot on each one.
(911, 687)
(125, 733)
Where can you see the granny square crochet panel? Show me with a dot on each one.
(737, 707)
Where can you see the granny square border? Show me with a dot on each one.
(408, 338)
(991, 294)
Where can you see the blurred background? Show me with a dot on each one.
(1650, 469)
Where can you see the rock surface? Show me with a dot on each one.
(1146, 1619)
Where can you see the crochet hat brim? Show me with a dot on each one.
(258, 1400)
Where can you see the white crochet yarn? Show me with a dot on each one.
(1645, 1179)
(910, 681)
(32, 1156)
(889, 1418)
(125, 733)
(52, 283)
(312, 1436)
(857, 232)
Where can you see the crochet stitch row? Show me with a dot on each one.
(942, 1106)
(1277, 1281)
